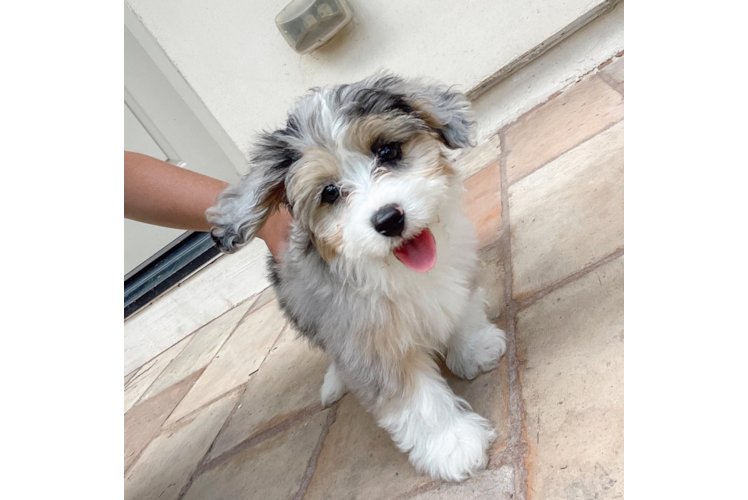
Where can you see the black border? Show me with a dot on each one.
(167, 268)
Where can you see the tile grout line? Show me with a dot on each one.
(140, 399)
(571, 148)
(226, 423)
(607, 78)
(531, 299)
(241, 388)
(481, 144)
(259, 438)
(197, 410)
(198, 470)
(515, 445)
(136, 377)
(431, 485)
(524, 116)
(502, 130)
(611, 82)
(609, 61)
(131, 375)
(256, 296)
(238, 324)
(204, 459)
(161, 427)
(286, 326)
(521, 118)
(204, 405)
(312, 465)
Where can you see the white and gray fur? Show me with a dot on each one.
(380, 323)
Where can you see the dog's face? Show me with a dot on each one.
(362, 168)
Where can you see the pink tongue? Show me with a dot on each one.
(419, 253)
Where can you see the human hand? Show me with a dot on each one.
(275, 232)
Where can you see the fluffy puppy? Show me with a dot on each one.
(379, 270)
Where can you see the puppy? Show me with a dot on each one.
(379, 270)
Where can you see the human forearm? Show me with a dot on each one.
(160, 193)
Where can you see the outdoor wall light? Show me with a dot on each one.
(307, 24)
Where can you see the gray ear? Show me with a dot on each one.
(242, 209)
(443, 109)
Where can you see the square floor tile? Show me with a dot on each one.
(569, 214)
(560, 124)
(570, 348)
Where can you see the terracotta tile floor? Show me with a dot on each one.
(232, 411)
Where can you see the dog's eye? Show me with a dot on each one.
(390, 152)
(330, 194)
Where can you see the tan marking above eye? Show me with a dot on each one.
(432, 160)
(316, 169)
(365, 131)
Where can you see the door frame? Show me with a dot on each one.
(192, 250)
(192, 102)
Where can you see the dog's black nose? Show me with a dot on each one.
(389, 221)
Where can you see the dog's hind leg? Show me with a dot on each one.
(333, 388)
(477, 345)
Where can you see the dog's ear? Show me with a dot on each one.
(445, 110)
(242, 209)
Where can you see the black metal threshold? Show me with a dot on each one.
(167, 268)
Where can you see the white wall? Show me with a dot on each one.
(239, 65)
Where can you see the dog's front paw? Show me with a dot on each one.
(457, 452)
(489, 347)
(481, 353)
(333, 388)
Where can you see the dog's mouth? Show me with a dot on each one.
(418, 253)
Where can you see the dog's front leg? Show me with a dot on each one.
(333, 387)
(477, 345)
(442, 435)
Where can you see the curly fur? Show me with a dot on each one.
(339, 283)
